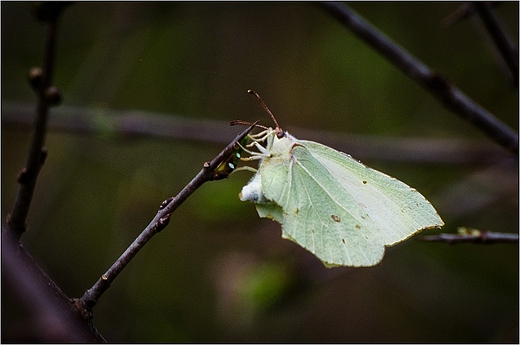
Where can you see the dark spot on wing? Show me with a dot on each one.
(364, 182)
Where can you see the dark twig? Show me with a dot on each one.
(49, 316)
(496, 30)
(464, 11)
(16, 220)
(159, 222)
(468, 235)
(450, 96)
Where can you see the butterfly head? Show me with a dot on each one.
(280, 133)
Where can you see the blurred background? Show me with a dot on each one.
(148, 92)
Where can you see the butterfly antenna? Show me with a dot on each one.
(247, 123)
(265, 107)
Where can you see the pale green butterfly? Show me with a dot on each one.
(334, 206)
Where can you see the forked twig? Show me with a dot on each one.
(449, 95)
(502, 41)
(464, 11)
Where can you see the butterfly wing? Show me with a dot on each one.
(396, 208)
(314, 213)
(339, 209)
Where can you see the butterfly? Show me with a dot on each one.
(329, 203)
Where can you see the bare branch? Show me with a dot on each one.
(159, 222)
(47, 96)
(496, 30)
(131, 124)
(50, 316)
(450, 96)
(468, 235)
(464, 11)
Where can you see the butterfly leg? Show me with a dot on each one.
(254, 155)
(261, 136)
(244, 168)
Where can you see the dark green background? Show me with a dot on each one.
(218, 273)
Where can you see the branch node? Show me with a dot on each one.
(162, 222)
(35, 77)
(23, 176)
(16, 227)
(82, 308)
(52, 96)
(165, 203)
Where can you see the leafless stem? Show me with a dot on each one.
(49, 314)
(450, 96)
(464, 11)
(504, 44)
(159, 222)
(16, 220)
(131, 124)
(472, 236)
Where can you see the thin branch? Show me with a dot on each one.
(450, 96)
(49, 315)
(468, 235)
(47, 96)
(131, 124)
(159, 222)
(462, 12)
(48, 310)
(504, 44)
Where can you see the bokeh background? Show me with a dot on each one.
(218, 273)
